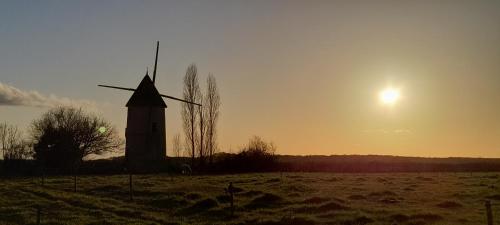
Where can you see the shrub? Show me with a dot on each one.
(257, 156)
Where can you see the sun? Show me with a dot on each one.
(389, 96)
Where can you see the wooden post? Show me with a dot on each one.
(489, 215)
(230, 191)
(281, 179)
(232, 204)
(38, 216)
(74, 182)
(130, 186)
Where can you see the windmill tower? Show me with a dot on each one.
(145, 133)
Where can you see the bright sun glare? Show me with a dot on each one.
(389, 96)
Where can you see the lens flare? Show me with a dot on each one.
(102, 130)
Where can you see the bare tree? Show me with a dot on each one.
(191, 94)
(176, 145)
(14, 146)
(212, 105)
(3, 138)
(202, 131)
(64, 136)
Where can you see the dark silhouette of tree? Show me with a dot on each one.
(202, 130)
(191, 94)
(212, 105)
(256, 145)
(64, 136)
(257, 156)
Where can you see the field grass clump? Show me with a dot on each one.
(267, 200)
(449, 205)
(333, 179)
(399, 218)
(494, 197)
(361, 220)
(273, 180)
(424, 178)
(356, 197)
(11, 215)
(168, 202)
(193, 196)
(201, 206)
(315, 200)
(251, 193)
(382, 193)
(427, 217)
(331, 206)
(223, 198)
(290, 221)
(295, 188)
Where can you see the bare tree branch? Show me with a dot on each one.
(176, 145)
(13, 144)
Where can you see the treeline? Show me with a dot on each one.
(250, 161)
(376, 163)
(257, 156)
(247, 162)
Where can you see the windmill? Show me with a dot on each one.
(145, 131)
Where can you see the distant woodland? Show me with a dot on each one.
(225, 163)
(378, 163)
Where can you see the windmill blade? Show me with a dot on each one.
(121, 88)
(156, 61)
(178, 99)
(165, 96)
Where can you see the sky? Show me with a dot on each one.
(305, 75)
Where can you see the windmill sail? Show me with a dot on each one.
(162, 95)
(178, 99)
(121, 88)
(156, 61)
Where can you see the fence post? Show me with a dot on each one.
(130, 186)
(74, 182)
(489, 214)
(38, 216)
(230, 191)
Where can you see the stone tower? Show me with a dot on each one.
(145, 132)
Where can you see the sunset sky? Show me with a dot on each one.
(305, 74)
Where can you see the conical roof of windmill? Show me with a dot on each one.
(146, 94)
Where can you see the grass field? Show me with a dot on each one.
(267, 198)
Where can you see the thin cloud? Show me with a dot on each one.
(12, 96)
(384, 131)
